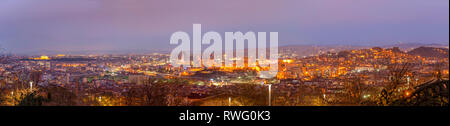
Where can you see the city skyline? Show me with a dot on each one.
(27, 26)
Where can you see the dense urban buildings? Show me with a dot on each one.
(372, 76)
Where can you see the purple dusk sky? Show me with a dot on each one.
(73, 25)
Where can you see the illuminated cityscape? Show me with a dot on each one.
(329, 53)
(349, 77)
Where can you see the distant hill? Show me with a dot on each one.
(411, 46)
(313, 50)
(88, 52)
(430, 52)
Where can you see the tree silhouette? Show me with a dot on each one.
(397, 77)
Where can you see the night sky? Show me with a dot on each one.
(74, 25)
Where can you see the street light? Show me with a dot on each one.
(408, 79)
(31, 86)
(270, 94)
(229, 101)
